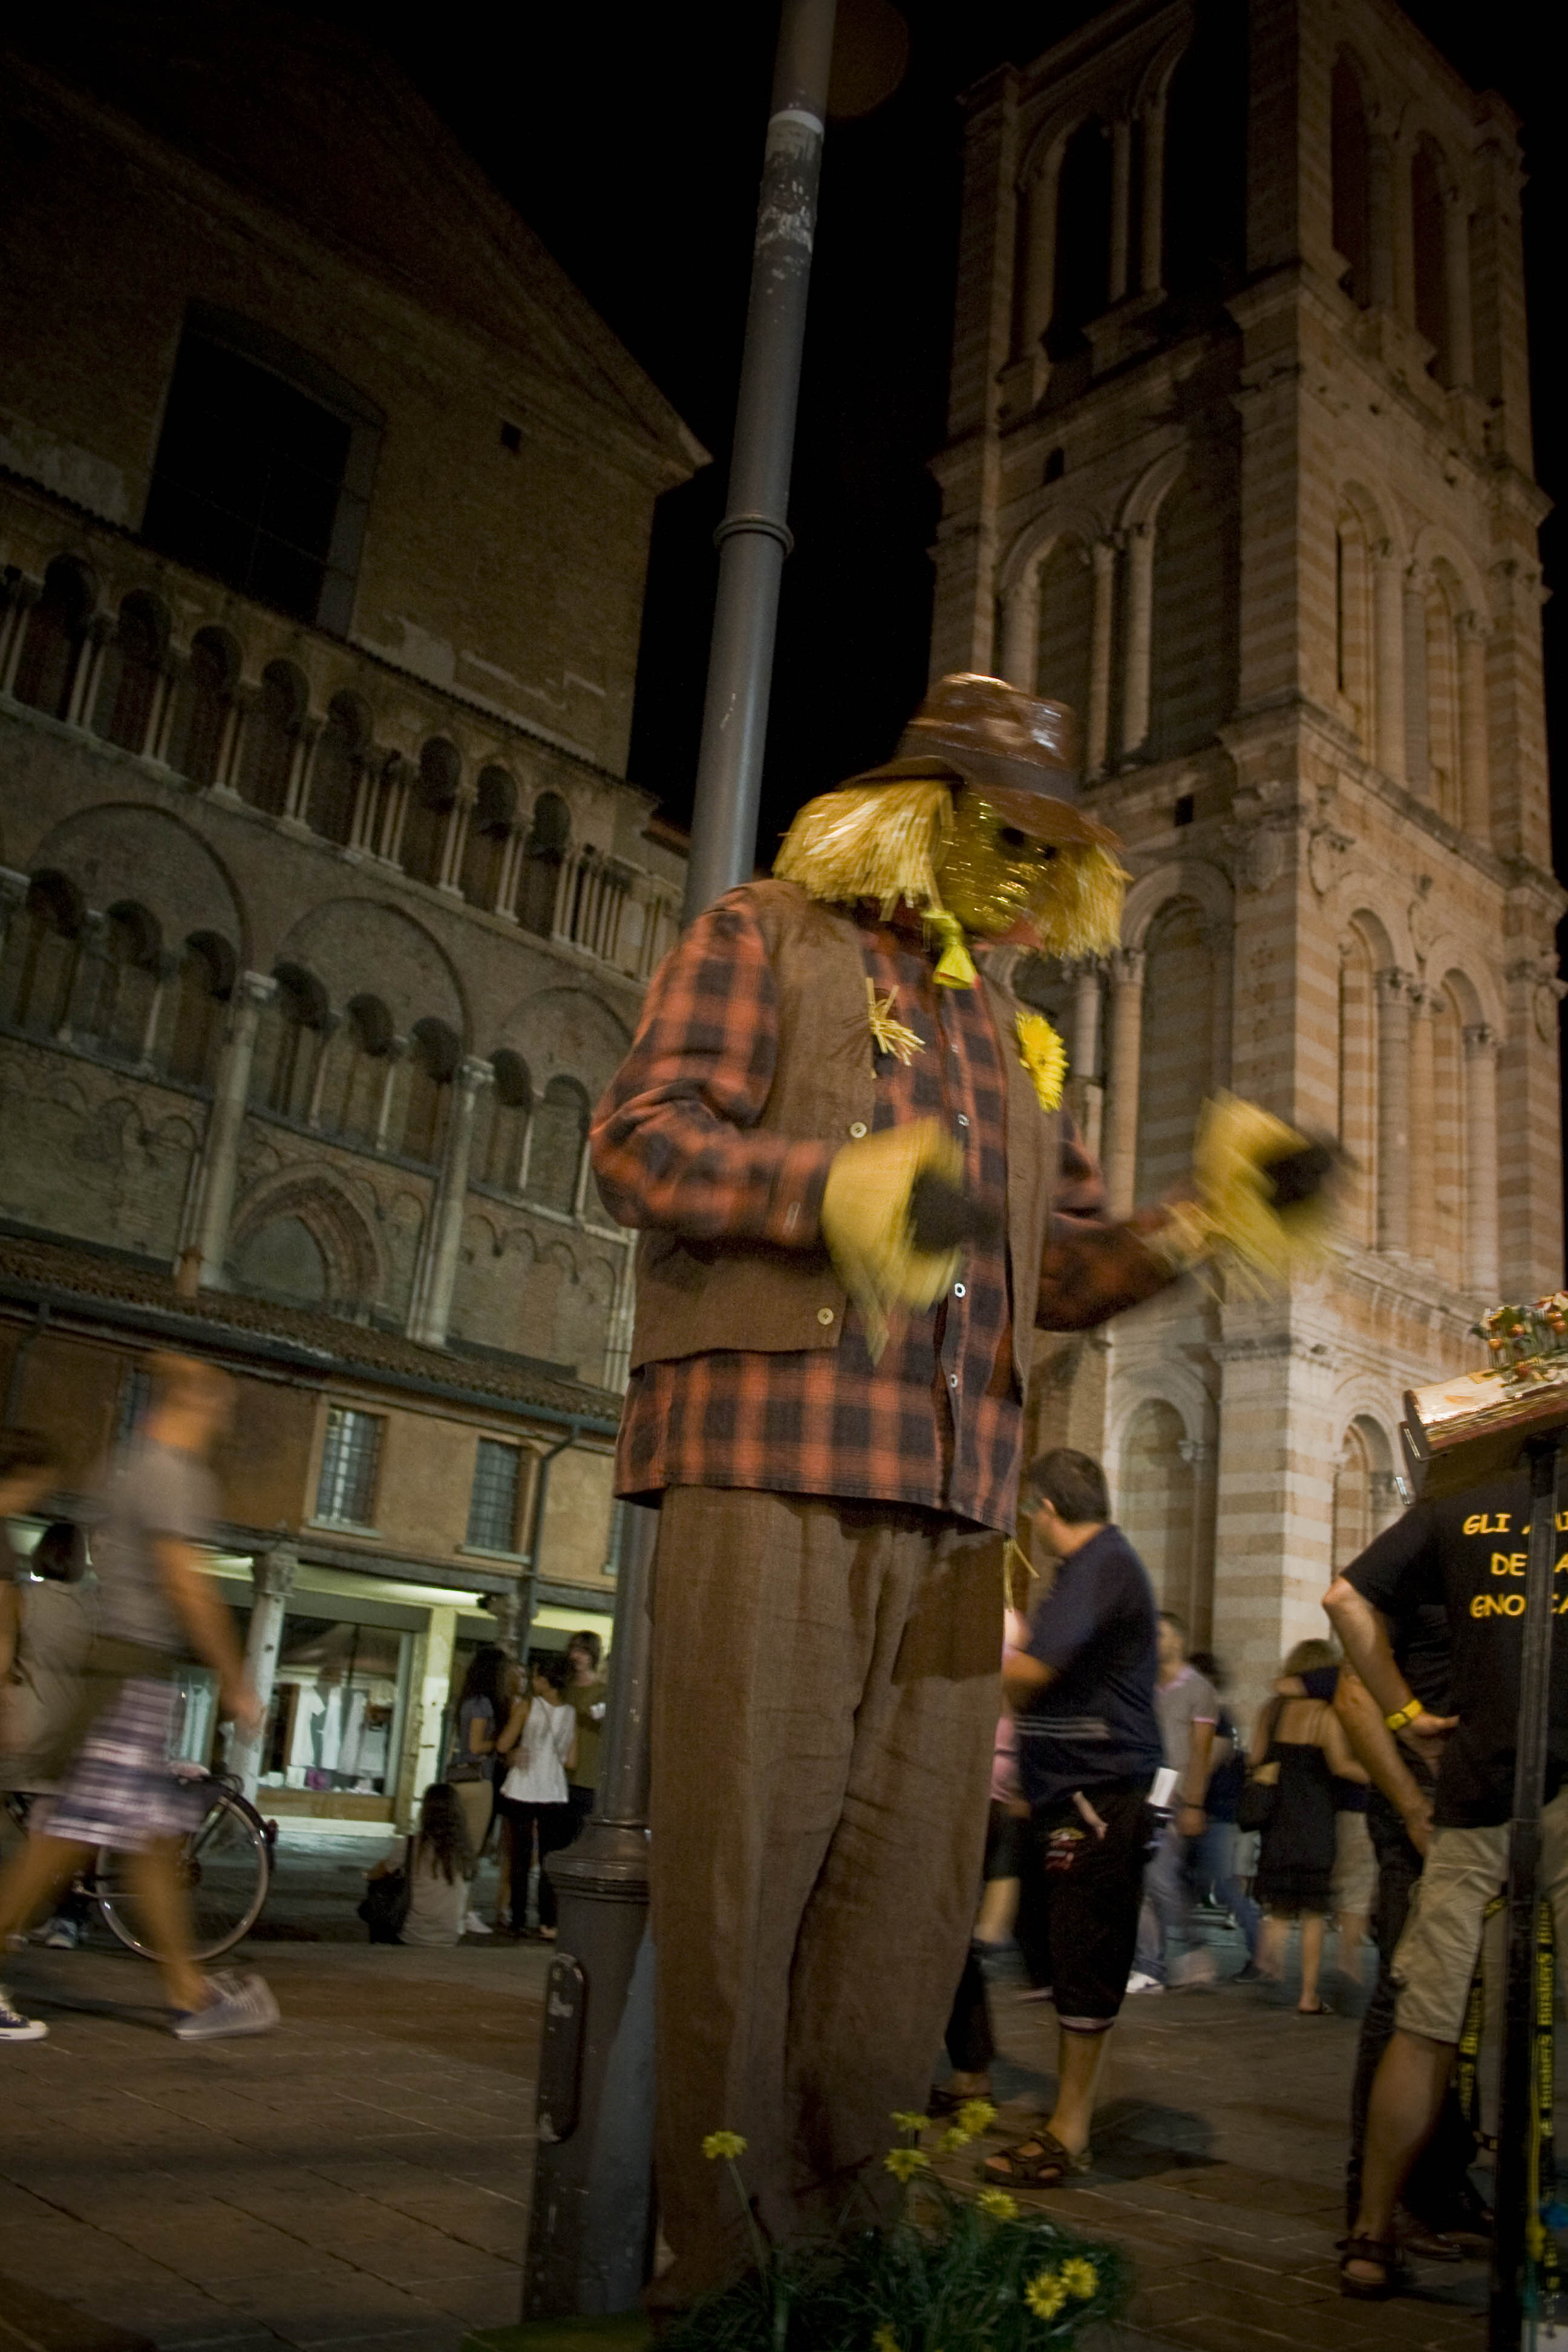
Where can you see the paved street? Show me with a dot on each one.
(361, 2176)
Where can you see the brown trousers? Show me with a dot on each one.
(825, 1701)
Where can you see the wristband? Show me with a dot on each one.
(1403, 1715)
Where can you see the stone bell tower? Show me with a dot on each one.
(1239, 464)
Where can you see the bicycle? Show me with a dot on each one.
(225, 1868)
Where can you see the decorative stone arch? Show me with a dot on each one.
(316, 1199)
(1433, 548)
(1033, 543)
(1449, 963)
(1158, 1454)
(1141, 503)
(359, 944)
(1152, 82)
(1369, 902)
(1364, 1496)
(127, 849)
(1185, 877)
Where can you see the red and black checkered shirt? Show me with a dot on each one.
(937, 1421)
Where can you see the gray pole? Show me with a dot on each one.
(753, 538)
(591, 2226)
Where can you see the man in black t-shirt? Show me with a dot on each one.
(1088, 1747)
(1467, 1555)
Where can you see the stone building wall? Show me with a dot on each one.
(1261, 507)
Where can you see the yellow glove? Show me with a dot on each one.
(1267, 1197)
(865, 1221)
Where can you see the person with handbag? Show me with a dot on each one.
(1298, 1750)
(418, 1893)
(534, 1796)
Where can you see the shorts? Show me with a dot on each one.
(1355, 1866)
(120, 1790)
(1091, 1894)
(1435, 1959)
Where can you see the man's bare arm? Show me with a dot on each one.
(1377, 1751)
(208, 1626)
(1365, 1639)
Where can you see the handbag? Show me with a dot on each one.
(1260, 1794)
(387, 1898)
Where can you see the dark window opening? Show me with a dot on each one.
(1183, 811)
(1349, 172)
(262, 476)
(1426, 225)
(1056, 466)
(511, 438)
(1083, 253)
(1205, 224)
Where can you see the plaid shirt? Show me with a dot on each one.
(938, 1420)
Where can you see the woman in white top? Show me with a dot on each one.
(542, 1739)
(440, 1864)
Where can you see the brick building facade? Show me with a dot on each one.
(324, 509)
(1239, 464)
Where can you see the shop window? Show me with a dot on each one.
(351, 1456)
(493, 1503)
(264, 469)
(337, 1708)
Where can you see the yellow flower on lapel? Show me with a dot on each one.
(1044, 1056)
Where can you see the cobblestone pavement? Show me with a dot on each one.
(361, 2176)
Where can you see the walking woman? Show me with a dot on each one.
(534, 1794)
(1298, 1743)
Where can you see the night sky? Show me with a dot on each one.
(631, 142)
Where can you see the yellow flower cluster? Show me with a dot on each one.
(907, 2120)
(885, 2340)
(998, 2204)
(722, 2142)
(1049, 2291)
(903, 2163)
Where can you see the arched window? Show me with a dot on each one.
(1358, 1085)
(429, 810)
(206, 699)
(270, 738)
(1083, 242)
(120, 1000)
(490, 830)
(205, 980)
(1176, 1051)
(41, 954)
(434, 1056)
(56, 638)
(547, 835)
(1154, 1502)
(1204, 228)
(1349, 164)
(1066, 623)
(1353, 1496)
(511, 1101)
(299, 1028)
(132, 673)
(555, 1150)
(335, 772)
(1194, 657)
(1426, 235)
(282, 1260)
(364, 1047)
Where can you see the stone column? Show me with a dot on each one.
(1140, 627)
(400, 775)
(1380, 222)
(297, 799)
(220, 1151)
(1021, 630)
(229, 764)
(394, 1053)
(1456, 286)
(1480, 1160)
(1475, 766)
(1417, 749)
(437, 1271)
(1151, 251)
(1120, 204)
(1097, 736)
(1393, 1110)
(1423, 1110)
(175, 669)
(430, 1685)
(1126, 966)
(272, 1574)
(1085, 1092)
(1388, 631)
(95, 644)
(456, 840)
(23, 594)
(163, 970)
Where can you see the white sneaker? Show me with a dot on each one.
(62, 1936)
(474, 1926)
(15, 2026)
(1139, 1982)
(240, 2005)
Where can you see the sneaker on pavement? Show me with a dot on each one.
(15, 2026)
(239, 2005)
(62, 1936)
(474, 1926)
(1140, 1982)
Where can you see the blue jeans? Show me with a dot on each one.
(1165, 1919)
(1213, 1867)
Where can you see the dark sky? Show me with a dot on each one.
(631, 142)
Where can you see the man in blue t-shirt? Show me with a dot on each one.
(1089, 1748)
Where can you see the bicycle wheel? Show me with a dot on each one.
(225, 1869)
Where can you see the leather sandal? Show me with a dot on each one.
(1384, 2253)
(1038, 2162)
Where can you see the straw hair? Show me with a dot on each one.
(884, 842)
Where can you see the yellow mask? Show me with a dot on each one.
(992, 873)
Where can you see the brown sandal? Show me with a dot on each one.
(1038, 2162)
(1384, 2253)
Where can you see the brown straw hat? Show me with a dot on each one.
(1022, 750)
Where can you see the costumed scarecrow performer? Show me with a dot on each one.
(860, 1195)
